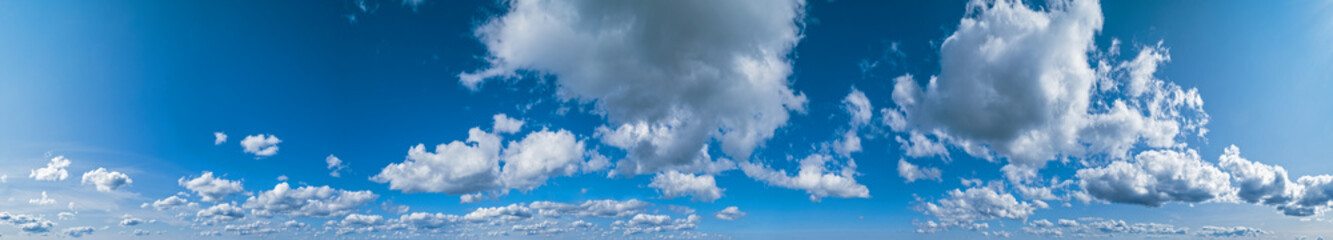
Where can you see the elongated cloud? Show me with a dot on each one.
(106, 181)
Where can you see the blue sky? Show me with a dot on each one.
(983, 119)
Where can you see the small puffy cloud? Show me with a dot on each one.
(106, 181)
(965, 208)
(859, 107)
(1154, 178)
(168, 203)
(128, 220)
(54, 170)
(262, 145)
(812, 177)
(308, 201)
(504, 124)
(730, 213)
(911, 173)
(850, 143)
(727, 82)
(44, 200)
(701, 188)
(209, 188)
(77, 231)
(219, 213)
(1257, 182)
(219, 138)
(335, 165)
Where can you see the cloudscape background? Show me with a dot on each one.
(785, 119)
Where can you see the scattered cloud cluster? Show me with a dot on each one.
(473, 167)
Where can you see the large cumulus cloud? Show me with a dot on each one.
(679, 73)
(1019, 83)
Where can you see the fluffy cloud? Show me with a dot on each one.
(454, 168)
(128, 220)
(209, 188)
(474, 167)
(106, 181)
(262, 145)
(77, 231)
(912, 173)
(725, 80)
(219, 213)
(813, 178)
(648, 223)
(335, 165)
(54, 170)
(42, 201)
(730, 213)
(858, 105)
(308, 201)
(528, 163)
(673, 184)
(1016, 83)
(1238, 231)
(965, 208)
(1270, 185)
(1154, 178)
(219, 138)
(27, 223)
(168, 203)
(504, 124)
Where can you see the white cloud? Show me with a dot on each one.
(1257, 182)
(504, 124)
(1016, 83)
(454, 168)
(44, 200)
(54, 170)
(540, 155)
(1237, 231)
(726, 80)
(106, 181)
(335, 165)
(169, 203)
(919, 145)
(648, 223)
(911, 173)
(77, 231)
(262, 145)
(850, 143)
(859, 107)
(813, 178)
(219, 138)
(1270, 185)
(308, 201)
(220, 213)
(474, 168)
(128, 220)
(1154, 178)
(730, 213)
(701, 188)
(211, 189)
(964, 208)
